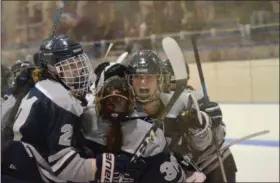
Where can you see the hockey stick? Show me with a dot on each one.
(236, 142)
(175, 55)
(206, 98)
(108, 50)
(121, 58)
(188, 161)
(56, 21)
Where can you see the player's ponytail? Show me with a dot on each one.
(114, 138)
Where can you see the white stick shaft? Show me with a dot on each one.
(108, 51)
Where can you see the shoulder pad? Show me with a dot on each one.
(60, 96)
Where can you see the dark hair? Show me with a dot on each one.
(114, 138)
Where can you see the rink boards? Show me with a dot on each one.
(258, 158)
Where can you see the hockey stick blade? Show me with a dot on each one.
(175, 55)
(121, 58)
(235, 142)
(177, 61)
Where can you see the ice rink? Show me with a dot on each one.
(256, 163)
(258, 158)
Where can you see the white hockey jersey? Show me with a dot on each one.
(200, 149)
(162, 165)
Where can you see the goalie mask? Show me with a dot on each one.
(115, 99)
(65, 62)
(146, 76)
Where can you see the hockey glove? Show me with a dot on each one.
(109, 165)
(189, 123)
(197, 133)
(213, 110)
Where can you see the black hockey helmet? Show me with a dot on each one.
(36, 59)
(145, 62)
(115, 99)
(144, 65)
(19, 66)
(65, 62)
(59, 48)
(167, 68)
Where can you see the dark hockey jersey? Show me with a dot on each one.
(45, 122)
(161, 165)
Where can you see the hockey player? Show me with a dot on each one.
(108, 128)
(147, 81)
(42, 146)
(169, 83)
(25, 78)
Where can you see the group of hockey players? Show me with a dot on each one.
(58, 125)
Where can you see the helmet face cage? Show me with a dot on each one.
(146, 94)
(75, 73)
(114, 102)
(166, 86)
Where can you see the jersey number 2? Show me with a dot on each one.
(65, 138)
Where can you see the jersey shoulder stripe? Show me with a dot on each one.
(60, 96)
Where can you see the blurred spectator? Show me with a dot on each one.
(157, 27)
(83, 29)
(145, 7)
(275, 6)
(126, 13)
(192, 20)
(245, 9)
(67, 21)
(261, 12)
(205, 10)
(173, 15)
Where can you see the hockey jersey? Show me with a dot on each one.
(161, 165)
(199, 149)
(45, 123)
